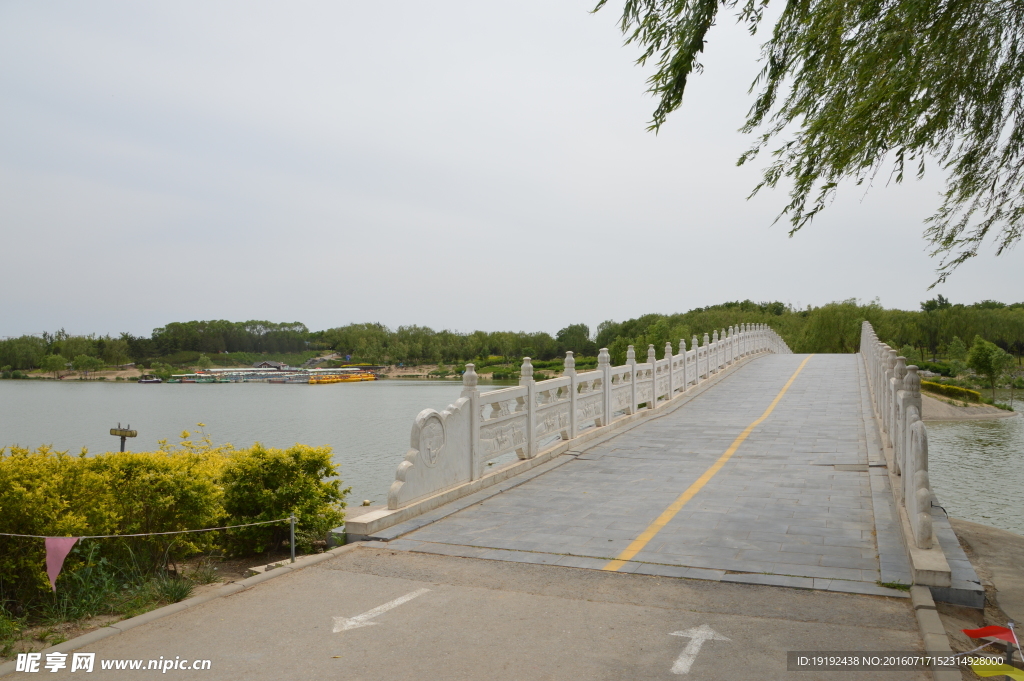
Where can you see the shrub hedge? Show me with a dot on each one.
(188, 487)
(953, 391)
(943, 369)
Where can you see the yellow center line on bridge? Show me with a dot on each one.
(638, 544)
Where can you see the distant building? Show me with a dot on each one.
(267, 364)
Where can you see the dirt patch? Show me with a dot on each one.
(996, 556)
(942, 409)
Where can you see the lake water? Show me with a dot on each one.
(367, 424)
(977, 470)
(977, 467)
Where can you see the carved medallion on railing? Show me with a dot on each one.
(432, 439)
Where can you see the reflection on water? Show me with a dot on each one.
(367, 424)
(977, 470)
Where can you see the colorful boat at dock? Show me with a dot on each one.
(282, 375)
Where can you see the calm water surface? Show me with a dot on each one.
(977, 467)
(367, 424)
(977, 470)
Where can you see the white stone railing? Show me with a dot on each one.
(896, 393)
(453, 447)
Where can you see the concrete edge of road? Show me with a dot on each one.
(153, 615)
(933, 633)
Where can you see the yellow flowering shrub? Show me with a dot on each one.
(188, 486)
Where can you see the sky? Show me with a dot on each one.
(459, 165)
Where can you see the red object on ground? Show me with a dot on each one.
(992, 631)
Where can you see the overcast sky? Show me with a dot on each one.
(463, 165)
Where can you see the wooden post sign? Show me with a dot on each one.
(123, 433)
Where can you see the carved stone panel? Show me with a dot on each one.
(432, 440)
(438, 457)
(622, 399)
(553, 420)
(500, 438)
(590, 407)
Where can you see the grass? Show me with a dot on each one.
(899, 586)
(11, 629)
(170, 589)
(204, 573)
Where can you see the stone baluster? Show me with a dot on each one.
(604, 365)
(631, 361)
(883, 380)
(732, 346)
(526, 379)
(890, 367)
(909, 399)
(671, 370)
(686, 376)
(569, 370)
(652, 359)
(695, 347)
(707, 357)
(472, 393)
(713, 362)
(895, 416)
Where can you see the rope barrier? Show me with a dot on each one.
(150, 534)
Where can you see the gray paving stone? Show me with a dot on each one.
(771, 580)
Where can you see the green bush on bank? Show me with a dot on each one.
(952, 391)
(936, 367)
(192, 486)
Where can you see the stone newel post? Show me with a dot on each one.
(652, 359)
(671, 370)
(570, 371)
(631, 362)
(896, 416)
(707, 356)
(695, 349)
(526, 379)
(686, 374)
(604, 365)
(471, 393)
(469, 381)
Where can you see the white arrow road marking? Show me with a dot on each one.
(346, 623)
(697, 636)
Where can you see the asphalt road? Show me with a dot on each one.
(375, 613)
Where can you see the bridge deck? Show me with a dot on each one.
(798, 503)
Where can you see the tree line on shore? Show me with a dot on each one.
(834, 327)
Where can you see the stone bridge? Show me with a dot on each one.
(733, 461)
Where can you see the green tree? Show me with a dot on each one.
(987, 359)
(204, 362)
(161, 371)
(116, 351)
(85, 364)
(576, 337)
(849, 86)
(957, 350)
(53, 364)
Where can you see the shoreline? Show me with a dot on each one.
(942, 409)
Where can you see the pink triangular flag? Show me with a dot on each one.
(57, 549)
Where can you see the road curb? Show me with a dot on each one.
(932, 632)
(153, 615)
